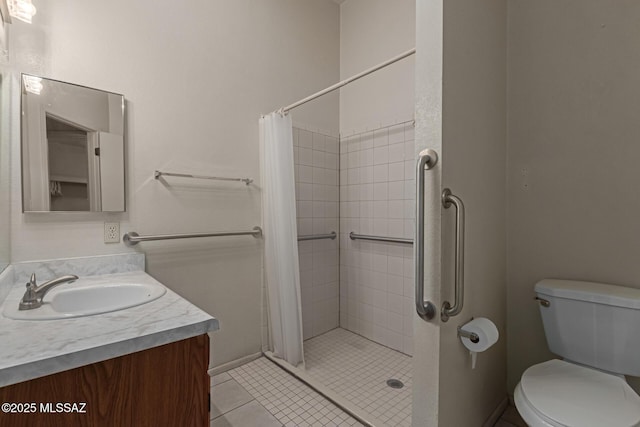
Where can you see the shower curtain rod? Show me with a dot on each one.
(347, 81)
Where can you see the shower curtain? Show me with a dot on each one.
(282, 273)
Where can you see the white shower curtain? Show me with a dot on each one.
(280, 237)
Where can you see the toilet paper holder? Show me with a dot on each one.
(472, 336)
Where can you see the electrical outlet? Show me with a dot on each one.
(111, 232)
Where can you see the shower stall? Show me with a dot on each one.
(355, 215)
(357, 293)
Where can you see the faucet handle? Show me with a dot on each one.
(31, 284)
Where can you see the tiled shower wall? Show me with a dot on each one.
(317, 192)
(377, 196)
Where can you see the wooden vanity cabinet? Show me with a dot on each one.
(162, 386)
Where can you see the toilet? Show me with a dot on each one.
(595, 328)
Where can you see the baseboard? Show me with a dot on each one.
(233, 364)
(497, 413)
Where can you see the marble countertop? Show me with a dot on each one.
(34, 348)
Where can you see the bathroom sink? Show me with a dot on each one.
(76, 300)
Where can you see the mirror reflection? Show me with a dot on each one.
(72, 147)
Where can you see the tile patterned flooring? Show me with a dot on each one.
(261, 394)
(357, 369)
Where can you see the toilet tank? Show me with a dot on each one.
(593, 324)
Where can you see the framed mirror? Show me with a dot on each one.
(72, 148)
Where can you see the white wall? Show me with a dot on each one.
(372, 31)
(574, 97)
(196, 77)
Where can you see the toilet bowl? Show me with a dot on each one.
(595, 328)
(560, 394)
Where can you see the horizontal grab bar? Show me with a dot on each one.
(132, 238)
(331, 236)
(355, 236)
(158, 174)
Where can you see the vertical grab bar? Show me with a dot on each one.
(426, 160)
(448, 310)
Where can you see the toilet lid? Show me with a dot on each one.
(573, 395)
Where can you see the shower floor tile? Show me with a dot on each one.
(358, 369)
(287, 399)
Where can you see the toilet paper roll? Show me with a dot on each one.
(487, 333)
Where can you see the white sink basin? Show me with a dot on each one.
(73, 300)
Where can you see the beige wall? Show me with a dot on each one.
(574, 97)
(196, 76)
(473, 163)
(372, 31)
(464, 120)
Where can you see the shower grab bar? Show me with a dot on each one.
(354, 236)
(448, 310)
(331, 236)
(132, 238)
(427, 159)
(158, 174)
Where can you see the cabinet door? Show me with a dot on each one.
(162, 386)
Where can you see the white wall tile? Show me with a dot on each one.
(381, 173)
(305, 209)
(381, 191)
(366, 157)
(353, 159)
(366, 140)
(380, 137)
(396, 209)
(395, 265)
(396, 171)
(366, 192)
(396, 190)
(318, 141)
(331, 145)
(396, 153)
(395, 303)
(395, 228)
(317, 194)
(353, 176)
(409, 169)
(304, 139)
(394, 322)
(305, 156)
(331, 161)
(381, 155)
(377, 178)
(318, 158)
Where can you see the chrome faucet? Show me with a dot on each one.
(32, 298)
